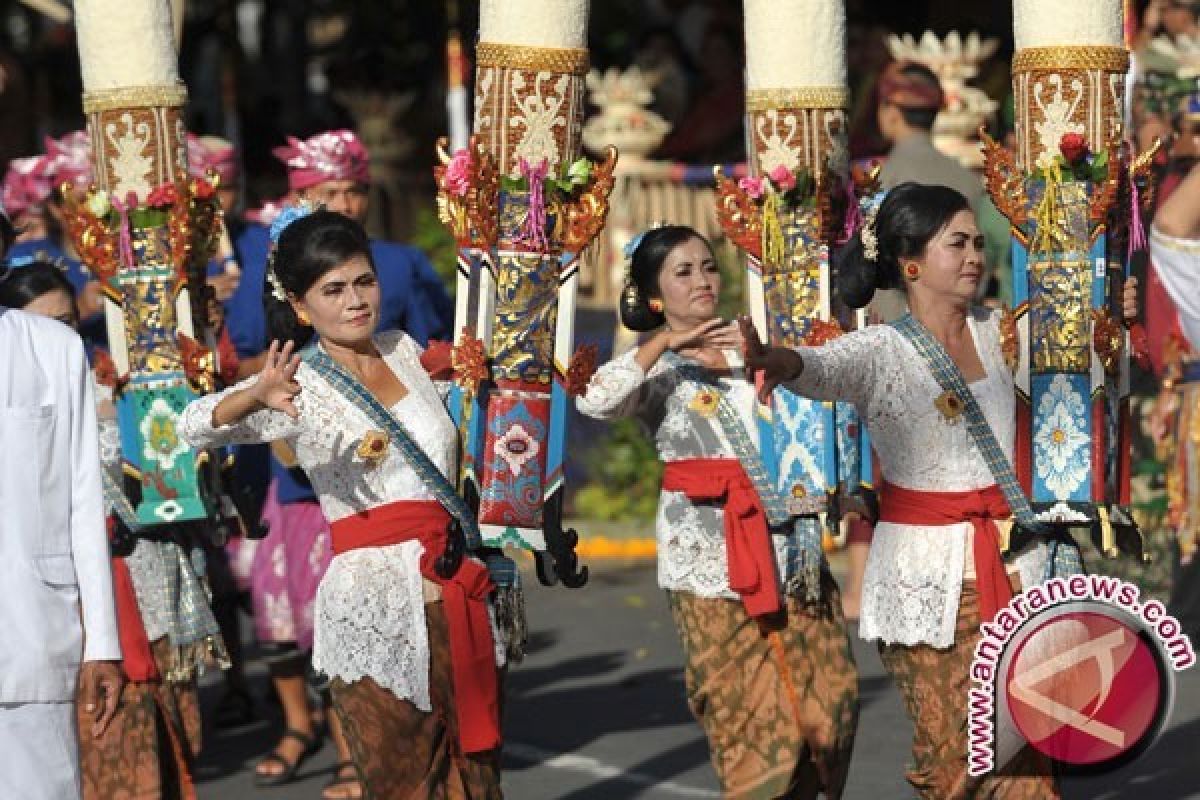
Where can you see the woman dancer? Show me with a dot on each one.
(934, 570)
(411, 654)
(770, 675)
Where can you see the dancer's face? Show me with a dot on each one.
(952, 266)
(690, 284)
(343, 305)
(55, 304)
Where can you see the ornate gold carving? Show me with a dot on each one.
(1005, 183)
(1108, 339)
(541, 59)
(1105, 195)
(1010, 342)
(798, 97)
(738, 215)
(99, 100)
(1101, 57)
(586, 214)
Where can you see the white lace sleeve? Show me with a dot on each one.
(196, 428)
(615, 389)
(843, 369)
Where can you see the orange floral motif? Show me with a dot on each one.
(739, 215)
(1009, 343)
(105, 370)
(581, 369)
(705, 402)
(822, 331)
(470, 362)
(1108, 339)
(950, 404)
(373, 447)
(199, 365)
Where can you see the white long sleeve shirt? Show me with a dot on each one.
(54, 557)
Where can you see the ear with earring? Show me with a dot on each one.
(303, 319)
(912, 271)
(656, 305)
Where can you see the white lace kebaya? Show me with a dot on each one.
(690, 536)
(370, 606)
(914, 574)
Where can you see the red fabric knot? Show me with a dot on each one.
(753, 573)
(464, 596)
(980, 507)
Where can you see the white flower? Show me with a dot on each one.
(1061, 446)
(98, 204)
(162, 444)
(516, 447)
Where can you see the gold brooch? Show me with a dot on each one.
(950, 404)
(373, 447)
(705, 402)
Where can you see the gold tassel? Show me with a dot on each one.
(772, 231)
(1108, 538)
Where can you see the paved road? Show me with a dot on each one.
(596, 712)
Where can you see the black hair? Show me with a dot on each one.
(909, 217)
(644, 268)
(8, 234)
(307, 249)
(20, 286)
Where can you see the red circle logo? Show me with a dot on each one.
(1085, 688)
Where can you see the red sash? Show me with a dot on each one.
(752, 568)
(472, 651)
(137, 657)
(981, 507)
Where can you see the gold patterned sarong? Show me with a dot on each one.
(779, 707)
(934, 684)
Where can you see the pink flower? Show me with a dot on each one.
(753, 187)
(783, 178)
(457, 180)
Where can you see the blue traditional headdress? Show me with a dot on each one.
(286, 217)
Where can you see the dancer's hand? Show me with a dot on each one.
(716, 333)
(1129, 299)
(100, 684)
(777, 364)
(277, 387)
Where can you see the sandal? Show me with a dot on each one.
(344, 774)
(311, 746)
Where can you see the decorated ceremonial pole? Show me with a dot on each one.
(146, 232)
(1074, 197)
(787, 217)
(522, 206)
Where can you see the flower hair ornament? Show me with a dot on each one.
(288, 215)
(631, 290)
(869, 233)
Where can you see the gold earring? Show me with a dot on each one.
(303, 319)
(656, 305)
(912, 270)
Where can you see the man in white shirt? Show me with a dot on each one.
(1175, 250)
(56, 607)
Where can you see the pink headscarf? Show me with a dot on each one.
(69, 159)
(215, 153)
(330, 156)
(26, 185)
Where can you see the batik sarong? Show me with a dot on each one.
(934, 684)
(147, 751)
(289, 563)
(403, 753)
(778, 702)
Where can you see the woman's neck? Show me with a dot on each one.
(354, 356)
(946, 320)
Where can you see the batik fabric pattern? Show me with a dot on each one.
(779, 708)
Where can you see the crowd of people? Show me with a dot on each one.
(344, 458)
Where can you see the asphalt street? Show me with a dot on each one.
(597, 712)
